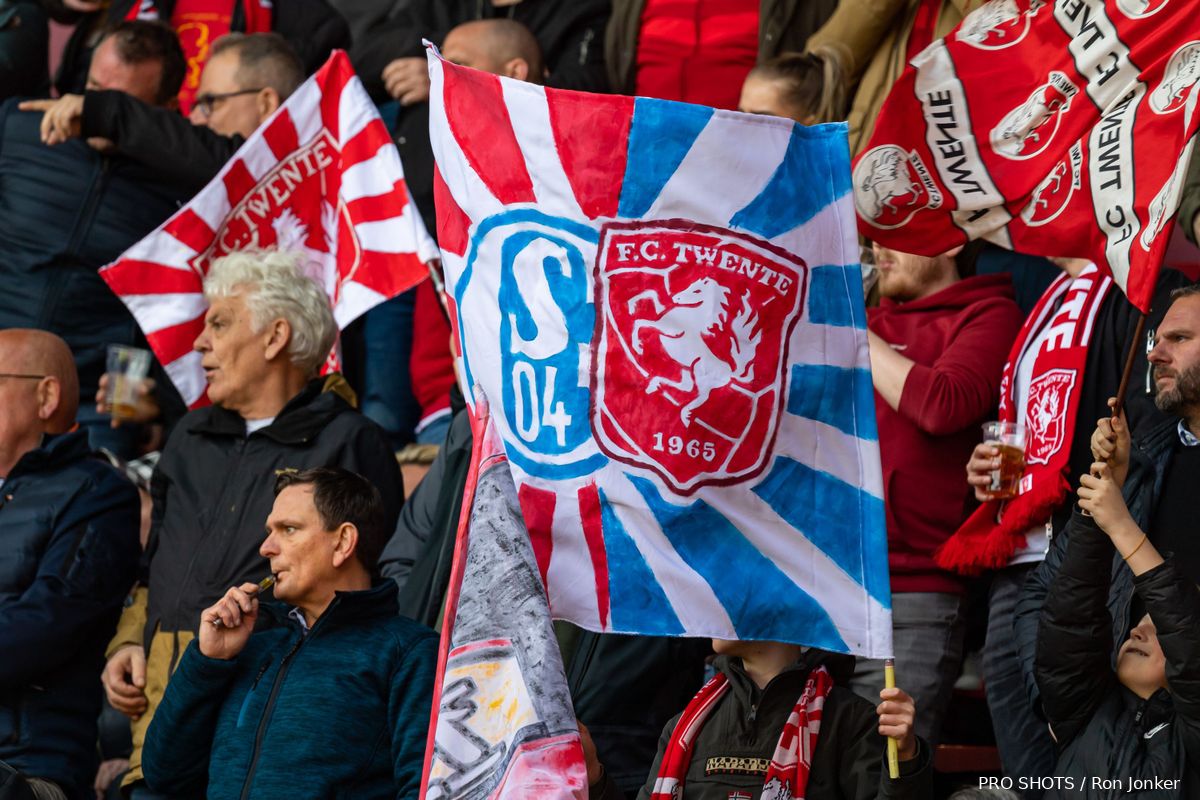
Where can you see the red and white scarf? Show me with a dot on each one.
(990, 536)
(787, 776)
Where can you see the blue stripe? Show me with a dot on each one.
(843, 398)
(835, 297)
(635, 599)
(760, 599)
(815, 171)
(842, 520)
(661, 134)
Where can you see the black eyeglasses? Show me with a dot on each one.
(204, 103)
(21, 375)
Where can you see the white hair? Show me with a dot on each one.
(273, 285)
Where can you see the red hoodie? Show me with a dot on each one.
(959, 338)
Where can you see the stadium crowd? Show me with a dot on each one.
(139, 654)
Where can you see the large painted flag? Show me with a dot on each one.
(503, 726)
(665, 302)
(320, 177)
(1054, 128)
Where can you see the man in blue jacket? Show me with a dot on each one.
(329, 694)
(68, 555)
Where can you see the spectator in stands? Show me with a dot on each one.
(809, 89)
(874, 40)
(347, 713)
(1077, 336)
(499, 46)
(66, 211)
(700, 51)
(267, 332)
(246, 77)
(755, 713)
(70, 525)
(938, 345)
(1135, 727)
(311, 27)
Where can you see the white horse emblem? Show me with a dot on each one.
(702, 308)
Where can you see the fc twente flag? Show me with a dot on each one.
(321, 177)
(665, 303)
(1058, 128)
(503, 726)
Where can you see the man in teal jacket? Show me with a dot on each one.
(324, 693)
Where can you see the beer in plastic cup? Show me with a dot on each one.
(1009, 437)
(127, 369)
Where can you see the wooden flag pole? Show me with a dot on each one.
(893, 749)
(1134, 344)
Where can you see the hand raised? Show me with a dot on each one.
(225, 626)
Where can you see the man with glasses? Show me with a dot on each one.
(246, 77)
(69, 527)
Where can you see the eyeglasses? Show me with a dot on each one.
(21, 375)
(205, 103)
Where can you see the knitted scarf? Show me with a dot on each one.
(787, 776)
(990, 536)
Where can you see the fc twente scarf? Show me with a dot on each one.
(199, 23)
(787, 776)
(990, 536)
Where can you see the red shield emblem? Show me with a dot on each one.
(1054, 193)
(891, 185)
(278, 210)
(691, 344)
(1028, 129)
(998, 24)
(1178, 81)
(1046, 414)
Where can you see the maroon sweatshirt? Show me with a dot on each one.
(959, 339)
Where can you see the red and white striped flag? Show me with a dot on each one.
(320, 177)
(1052, 128)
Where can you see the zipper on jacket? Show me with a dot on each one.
(284, 665)
(83, 223)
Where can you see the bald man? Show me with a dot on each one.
(500, 46)
(69, 545)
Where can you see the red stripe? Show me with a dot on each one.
(591, 134)
(478, 118)
(190, 230)
(378, 207)
(589, 514)
(390, 273)
(281, 136)
(453, 225)
(365, 144)
(537, 505)
(336, 73)
(238, 181)
(129, 276)
(176, 341)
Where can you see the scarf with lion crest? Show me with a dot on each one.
(787, 776)
(991, 535)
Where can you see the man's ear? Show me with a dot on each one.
(346, 545)
(49, 397)
(267, 101)
(278, 334)
(517, 68)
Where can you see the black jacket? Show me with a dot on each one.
(214, 487)
(849, 761)
(68, 556)
(66, 211)
(312, 27)
(187, 155)
(1103, 730)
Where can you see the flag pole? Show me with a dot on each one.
(893, 748)
(1134, 344)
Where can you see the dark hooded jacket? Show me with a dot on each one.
(742, 732)
(1103, 730)
(68, 556)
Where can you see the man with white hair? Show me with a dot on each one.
(267, 332)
